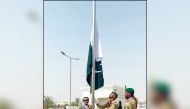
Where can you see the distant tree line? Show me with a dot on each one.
(49, 102)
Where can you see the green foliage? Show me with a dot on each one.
(5, 105)
(48, 102)
(77, 101)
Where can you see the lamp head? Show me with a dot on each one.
(63, 53)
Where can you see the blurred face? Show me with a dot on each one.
(85, 101)
(127, 95)
(156, 97)
(112, 96)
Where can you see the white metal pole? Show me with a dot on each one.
(93, 65)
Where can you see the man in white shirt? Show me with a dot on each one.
(85, 104)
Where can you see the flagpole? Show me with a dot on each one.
(93, 65)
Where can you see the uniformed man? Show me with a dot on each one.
(131, 102)
(111, 104)
(85, 104)
(160, 96)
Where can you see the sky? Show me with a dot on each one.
(122, 31)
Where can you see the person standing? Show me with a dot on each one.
(85, 104)
(132, 101)
(160, 96)
(111, 104)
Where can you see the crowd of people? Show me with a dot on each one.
(131, 101)
(158, 98)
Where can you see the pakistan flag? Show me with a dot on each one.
(99, 79)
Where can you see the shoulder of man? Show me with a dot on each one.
(114, 102)
(81, 107)
(114, 105)
(90, 106)
(168, 105)
(130, 102)
(133, 100)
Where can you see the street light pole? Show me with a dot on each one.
(70, 81)
(70, 58)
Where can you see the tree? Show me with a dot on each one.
(72, 103)
(48, 102)
(77, 100)
(5, 105)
